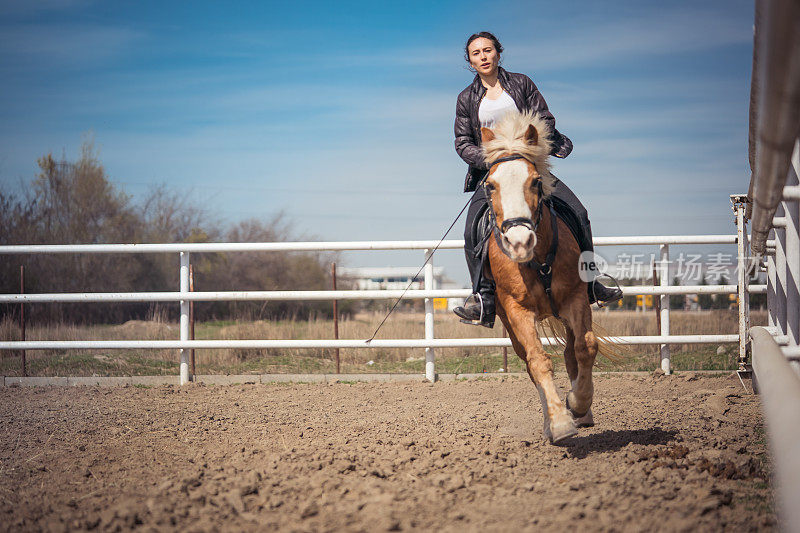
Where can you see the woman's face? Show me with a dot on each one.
(483, 57)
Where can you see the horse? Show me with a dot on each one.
(534, 260)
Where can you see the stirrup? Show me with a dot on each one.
(480, 320)
(480, 317)
(599, 302)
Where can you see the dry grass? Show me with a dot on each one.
(138, 362)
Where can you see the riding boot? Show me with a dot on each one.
(575, 215)
(601, 294)
(597, 291)
(480, 310)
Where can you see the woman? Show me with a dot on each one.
(493, 93)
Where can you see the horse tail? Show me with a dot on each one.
(554, 328)
(607, 345)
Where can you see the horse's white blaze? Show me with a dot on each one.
(511, 178)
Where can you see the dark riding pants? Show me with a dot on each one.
(567, 206)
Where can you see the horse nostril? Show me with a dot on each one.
(529, 242)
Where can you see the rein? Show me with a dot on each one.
(410, 283)
(544, 270)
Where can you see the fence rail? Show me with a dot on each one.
(496, 342)
(429, 342)
(411, 294)
(328, 246)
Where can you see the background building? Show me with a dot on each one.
(398, 278)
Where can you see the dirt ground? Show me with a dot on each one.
(668, 453)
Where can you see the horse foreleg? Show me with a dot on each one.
(521, 325)
(583, 353)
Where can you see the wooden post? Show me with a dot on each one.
(335, 318)
(505, 351)
(191, 321)
(22, 316)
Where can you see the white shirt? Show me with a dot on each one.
(490, 111)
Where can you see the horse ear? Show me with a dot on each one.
(531, 135)
(486, 135)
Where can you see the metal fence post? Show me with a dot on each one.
(505, 350)
(780, 276)
(771, 284)
(191, 321)
(664, 299)
(742, 280)
(792, 240)
(22, 317)
(336, 319)
(430, 367)
(184, 288)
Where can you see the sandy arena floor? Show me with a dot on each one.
(678, 453)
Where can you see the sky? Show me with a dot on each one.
(340, 114)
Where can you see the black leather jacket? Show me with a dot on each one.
(468, 128)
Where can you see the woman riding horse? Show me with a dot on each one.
(491, 95)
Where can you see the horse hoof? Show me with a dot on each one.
(575, 413)
(586, 421)
(564, 430)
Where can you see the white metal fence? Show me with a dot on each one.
(783, 264)
(429, 342)
(774, 210)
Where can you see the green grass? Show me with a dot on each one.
(139, 364)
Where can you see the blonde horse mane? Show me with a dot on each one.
(510, 138)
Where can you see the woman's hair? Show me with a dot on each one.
(485, 35)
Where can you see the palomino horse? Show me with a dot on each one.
(534, 260)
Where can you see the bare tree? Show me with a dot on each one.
(76, 203)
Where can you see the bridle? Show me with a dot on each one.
(531, 224)
(544, 269)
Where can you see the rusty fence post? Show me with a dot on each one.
(505, 351)
(335, 318)
(191, 321)
(22, 316)
(656, 299)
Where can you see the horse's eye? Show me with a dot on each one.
(490, 187)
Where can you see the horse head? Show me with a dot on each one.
(516, 150)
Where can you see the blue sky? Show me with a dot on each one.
(341, 113)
